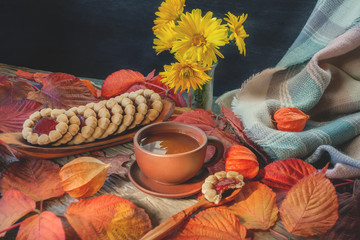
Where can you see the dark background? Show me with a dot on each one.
(94, 38)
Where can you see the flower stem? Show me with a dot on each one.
(190, 98)
(157, 86)
(11, 227)
(278, 234)
(342, 184)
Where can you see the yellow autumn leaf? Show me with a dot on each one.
(256, 206)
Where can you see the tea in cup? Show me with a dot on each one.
(172, 152)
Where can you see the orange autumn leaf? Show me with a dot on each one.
(90, 86)
(36, 178)
(119, 81)
(108, 217)
(83, 176)
(13, 206)
(242, 160)
(212, 223)
(310, 207)
(41, 226)
(283, 174)
(256, 206)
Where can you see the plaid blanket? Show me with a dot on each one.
(320, 74)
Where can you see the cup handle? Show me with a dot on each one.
(219, 151)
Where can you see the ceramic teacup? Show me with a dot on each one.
(172, 152)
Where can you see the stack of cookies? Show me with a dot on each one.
(94, 121)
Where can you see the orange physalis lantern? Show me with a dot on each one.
(242, 160)
(290, 119)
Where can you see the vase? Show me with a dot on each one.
(203, 98)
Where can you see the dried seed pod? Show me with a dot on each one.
(240, 159)
(83, 176)
(290, 119)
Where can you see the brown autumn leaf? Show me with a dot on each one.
(13, 206)
(255, 206)
(284, 174)
(36, 178)
(115, 162)
(41, 226)
(83, 176)
(14, 114)
(348, 225)
(107, 217)
(310, 207)
(119, 81)
(212, 223)
(61, 90)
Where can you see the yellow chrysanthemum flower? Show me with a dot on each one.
(169, 10)
(185, 74)
(199, 38)
(238, 32)
(165, 37)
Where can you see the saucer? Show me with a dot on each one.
(149, 186)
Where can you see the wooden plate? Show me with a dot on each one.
(17, 142)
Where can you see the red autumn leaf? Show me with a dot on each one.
(284, 174)
(41, 226)
(348, 225)
(13, 89)
(116, 162)
(14, 114)
(7, 156)
(212, 223)
(255, 206)
(119, 81)
(36, 178)
(310, 207)
(107, 217)
(61, 90)
(13, 206)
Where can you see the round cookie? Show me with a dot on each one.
(103, 120)
(140, 103)
(116, 118)
(45, 126)
(74, 127)
(88, 124)
(129, 110)
(155, 105)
